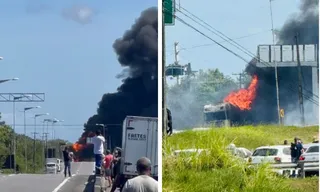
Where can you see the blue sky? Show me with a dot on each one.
(54, 49)
(235, 19)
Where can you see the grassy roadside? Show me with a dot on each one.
(221, 172)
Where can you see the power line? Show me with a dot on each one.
(211, 44)
(246, 51)
(226, 38)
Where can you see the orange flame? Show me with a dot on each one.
(77, 147)
(244, 97)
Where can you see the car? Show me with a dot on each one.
(51, 168)
(271, 154)
(311, 154)
(187, 152)
(310, 160)
(243, 153)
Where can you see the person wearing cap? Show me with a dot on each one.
(143, 182)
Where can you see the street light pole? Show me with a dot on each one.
(14, 132)
(25, 134)
(14, 136)
(34, 141)
(6, 80)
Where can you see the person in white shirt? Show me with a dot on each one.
(143, 182)
(98, 149)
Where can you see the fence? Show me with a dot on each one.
(295, 169)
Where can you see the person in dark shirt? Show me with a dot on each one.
(296, 150)
(67, 161)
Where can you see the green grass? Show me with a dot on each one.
(219, 171)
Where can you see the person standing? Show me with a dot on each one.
(296, 150)
(143, 182)
(107, 166)
(67, 158)
(98, 148)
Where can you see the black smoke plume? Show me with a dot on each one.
(137, 51)
(306, 24)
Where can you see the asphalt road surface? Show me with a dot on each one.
(81, 181)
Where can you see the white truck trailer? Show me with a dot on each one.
(139, 139)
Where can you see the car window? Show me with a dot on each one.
(286, 151)
(265, 152)
(51, 165)
(313, 149)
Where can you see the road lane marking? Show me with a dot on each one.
(62, 183)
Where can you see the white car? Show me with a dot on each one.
(51, 168)
(271, 154)
(311, 154)
(240, 152)
(188, 152)
(244, 153)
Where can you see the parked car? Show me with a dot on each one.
(310, 156)
(51, 168)
(240, 152)
(271, 154)
(244, 153)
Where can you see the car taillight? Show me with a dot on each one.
(301, 158)
(277, 159)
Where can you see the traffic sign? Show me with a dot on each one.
(281, 113)
(168, 11)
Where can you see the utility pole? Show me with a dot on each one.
(45, 135)
(240, 78)
(275, 64)
(176, 61)
(34, 151)
(164, 106)
(300, 82)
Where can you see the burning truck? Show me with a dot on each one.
(235, 109)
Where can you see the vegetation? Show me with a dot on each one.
(219, 171)
(207, 87)
(6, 148)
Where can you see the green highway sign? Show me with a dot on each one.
(168, 11)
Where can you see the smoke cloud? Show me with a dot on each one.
(306, 24)
(137, 51)
(79, 13)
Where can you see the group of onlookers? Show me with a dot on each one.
(111, 163)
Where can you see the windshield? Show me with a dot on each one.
(313, 149)
(51, 165)
(265, 152)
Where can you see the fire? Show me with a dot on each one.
(77, 146)
(244, 97)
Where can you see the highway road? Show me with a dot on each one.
(81, 181)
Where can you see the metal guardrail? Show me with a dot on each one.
(295, 169)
